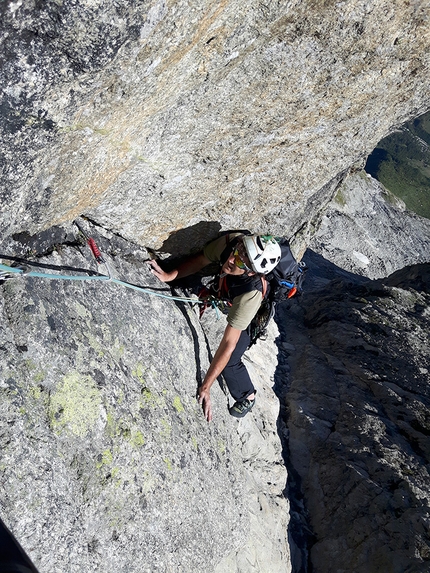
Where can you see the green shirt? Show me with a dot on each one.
(246, 305)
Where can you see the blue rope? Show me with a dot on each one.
(215, 306)
(4, 269)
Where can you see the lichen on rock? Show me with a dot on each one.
(164, 123)
(99, 417)
(75, 405)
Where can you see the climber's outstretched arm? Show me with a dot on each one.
(189, 267)
(219, 362)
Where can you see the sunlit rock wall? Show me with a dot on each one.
(367, 230)
(154, 116)
(107, 462)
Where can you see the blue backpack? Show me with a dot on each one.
(284, 282)
(286, 279)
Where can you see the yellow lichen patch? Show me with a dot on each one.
(166, 429)
(128, 431)
(95, 344)
(106, 459)
(177, 404)
(150, 400)
(340, 198)
(75, 406)
(120, 397)
(136, 438)
(111, 425)
(82, 311)
(30, 365)
(34, 372)
(137, 372)
(221, 446)
(147, 398)
(35, 392)
(39, 377)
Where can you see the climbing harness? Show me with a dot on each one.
(23, 271)
(208, 299)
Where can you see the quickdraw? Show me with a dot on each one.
(23, 271)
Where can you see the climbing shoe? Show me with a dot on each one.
(240, 409)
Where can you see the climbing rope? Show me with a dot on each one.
(7, 273)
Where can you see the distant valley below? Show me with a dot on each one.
(401, 162)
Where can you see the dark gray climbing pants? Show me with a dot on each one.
(235, 373)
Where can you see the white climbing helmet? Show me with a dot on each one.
(263, 251)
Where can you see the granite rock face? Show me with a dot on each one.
(367, 230)
(354, 389)
(106, 460)
(353, 381)
(154, 116)
(164, 122)
(267, 546)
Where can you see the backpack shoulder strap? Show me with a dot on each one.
(240, 285)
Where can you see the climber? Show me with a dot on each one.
(243, 260)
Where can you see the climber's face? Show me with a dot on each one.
(237, 263)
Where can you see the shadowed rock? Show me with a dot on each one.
(357, 412)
